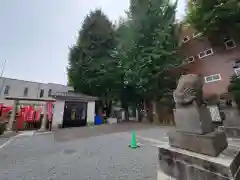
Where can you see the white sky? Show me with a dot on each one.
(35, 34)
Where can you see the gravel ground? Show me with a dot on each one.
(102, 157)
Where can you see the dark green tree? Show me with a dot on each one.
(215, 18)
(92, 68)
(151, 48)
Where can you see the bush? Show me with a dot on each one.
(234, 89)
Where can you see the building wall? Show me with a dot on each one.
(90, 112)
(58, 113)
(34, 88)
(221, 62)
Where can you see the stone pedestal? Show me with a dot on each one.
(195, 151)
(232, 123)
(194, 131)
(232, 132)
(193, 119)
(209, 144)
(179, 164)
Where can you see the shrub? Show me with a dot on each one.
(234, 89)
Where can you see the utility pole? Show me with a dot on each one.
(4, 64)
(2, 84)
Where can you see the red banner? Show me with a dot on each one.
(50, 105)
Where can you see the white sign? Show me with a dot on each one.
(215, 114)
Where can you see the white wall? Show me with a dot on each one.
(90, 112)
(17, 89)
(59, 110)
(58, 113)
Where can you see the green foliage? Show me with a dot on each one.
(131, 62)
(234, 88)
(92, 69)
(215, 18)
(150, 48)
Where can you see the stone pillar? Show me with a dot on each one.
(13, 115)
(44, 120)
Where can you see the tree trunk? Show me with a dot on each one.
(125, 107)
(108, 108)
(99, 108)
(145, 114)
(155, 112)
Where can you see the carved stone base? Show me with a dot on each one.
(193, 119)
(233, 132)
(210, 144)
(232, 117)
(179, 164)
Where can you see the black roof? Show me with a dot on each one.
(73, 96)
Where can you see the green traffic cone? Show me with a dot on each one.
(133, 144)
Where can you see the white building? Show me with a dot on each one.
(66, 101)
(19, 88)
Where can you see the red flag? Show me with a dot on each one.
(29, 113)
(50, 104)
(38, 113)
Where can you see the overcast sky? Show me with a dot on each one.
(35, 34)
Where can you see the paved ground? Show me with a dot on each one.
(98, 153)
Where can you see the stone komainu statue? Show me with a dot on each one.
(189, 89)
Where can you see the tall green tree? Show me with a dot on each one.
(151, 48)
(92, 68)
(215, 18)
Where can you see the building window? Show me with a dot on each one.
(229, 43)
(197, 34)
(209, 52)
(212, 78)
(190, 59)
(41, 93)
(237, 71)
(236, 64)
(205, 53)
(201, 55)
(6, 90)
(186, 39)
(49, 92)
(25, 92)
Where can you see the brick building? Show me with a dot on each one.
(215, 64)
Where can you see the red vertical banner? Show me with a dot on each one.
(29, 114)
(38, 113)
(50, 104)
(25, 111)
(20, 119)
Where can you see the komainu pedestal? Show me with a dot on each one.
(195, 150)
(194, 130)
(179, 164)
(232, 122)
